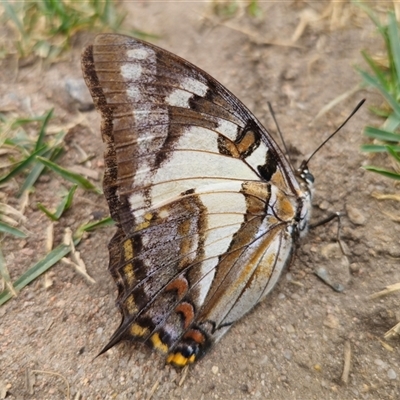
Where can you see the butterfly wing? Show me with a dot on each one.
(205, 202)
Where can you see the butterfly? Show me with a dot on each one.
(207, 207)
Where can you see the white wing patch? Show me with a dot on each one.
(194, 86)
(217, 242)
(198, 138)
(131, 71)
(258, 156)
(228, 129)
(179, 98)
(139, 53)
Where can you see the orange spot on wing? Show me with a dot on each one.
(187, 311)
(195, 335)
(180, 285)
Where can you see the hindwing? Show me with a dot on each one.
(206, 205)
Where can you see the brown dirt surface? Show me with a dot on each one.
(291, 346)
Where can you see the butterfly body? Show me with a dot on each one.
(208, 209)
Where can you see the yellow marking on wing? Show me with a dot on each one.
(158, 344)
(247, 141)
(179, 360)
(146, 223)
(278, 180)
(131, 305)
(148, 216)
(137, 330)
(184, 227)
(265, 268)
(284, 207)
(129, 274)
(128, 250)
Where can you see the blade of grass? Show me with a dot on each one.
(69, 175)
(394, 45)
(38, 269)
(393, 153)
(103, 223)
(5, 228)
(377, 71)
(42, 132)
(37, 170)
(11, 13)
(381, 134)
(23, 164)
(52, 258)
(377, 148)
(382, 171)
(64, 205)
(375, 83)
(392, 122)
(42, 208)
(68, 199)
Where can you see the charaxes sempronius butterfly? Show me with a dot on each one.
(208, 209)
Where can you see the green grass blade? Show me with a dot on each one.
(69, 197)
(381, 134)
(31, 179)
(42, 132)
(24, 121)
(23, 164)
(377, 148)
(5, 228)
(377, 71)
(10, 12)
(394, 47)
(69, 175)
(384, 172)
(392, 122)
(91, 226)
(45, 210)
(393, 153)
(38, 168)
(63, 206)
(389, 98)
(38, 269)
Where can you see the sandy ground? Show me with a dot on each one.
(292, 345)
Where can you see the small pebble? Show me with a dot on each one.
(391, 374)
(355, 268)
(355, 216)
(290, 329)
(331, 322)
(287, 354)
(214, 370)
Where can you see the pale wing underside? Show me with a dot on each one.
(201, 193)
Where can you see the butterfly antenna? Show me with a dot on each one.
(336, 131)
(278, 129)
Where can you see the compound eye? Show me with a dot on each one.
(307, 176)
